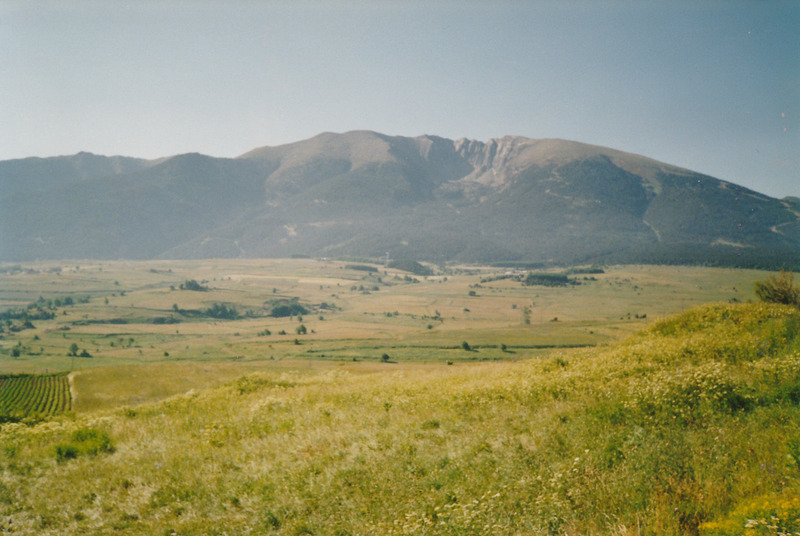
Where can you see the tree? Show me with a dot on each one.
(222, 312)
(385, 358)
(301, 329)
(548, 280)
(465, 345)
(282, 308)
(778, 289)
(192, 284)
(73, 349)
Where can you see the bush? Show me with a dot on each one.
(222, 312)
(778, 289)
(191, 284)
(283, 308)
(66, 452)
(86, 441)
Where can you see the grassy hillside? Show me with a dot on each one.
(690, 426)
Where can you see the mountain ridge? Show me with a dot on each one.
(363, 193)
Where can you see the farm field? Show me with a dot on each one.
(38, 395)
(135, 332)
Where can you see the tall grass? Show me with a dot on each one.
(688, 427)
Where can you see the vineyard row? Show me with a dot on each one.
(26, 395)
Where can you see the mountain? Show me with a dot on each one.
(42, 174)
(366, 194)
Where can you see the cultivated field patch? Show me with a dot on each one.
(28, 395)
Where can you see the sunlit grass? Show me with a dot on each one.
(690, 425)
(432, 315)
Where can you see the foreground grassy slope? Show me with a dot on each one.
(691, 426)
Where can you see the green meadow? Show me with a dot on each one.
(640, 400)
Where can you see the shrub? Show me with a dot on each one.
(191, 284)
(86, 441)
(431, 424)
(222, 312)
(66, 452)
(778, 289)
(283, 308)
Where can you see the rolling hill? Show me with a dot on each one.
(365, 194)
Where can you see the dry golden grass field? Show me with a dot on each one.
(136, 314)
(688, 427)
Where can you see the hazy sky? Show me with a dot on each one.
(711, 86)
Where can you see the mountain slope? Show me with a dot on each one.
(365, 194)
(41, 174)
(129, 216)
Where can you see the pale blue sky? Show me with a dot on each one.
(713, 86)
